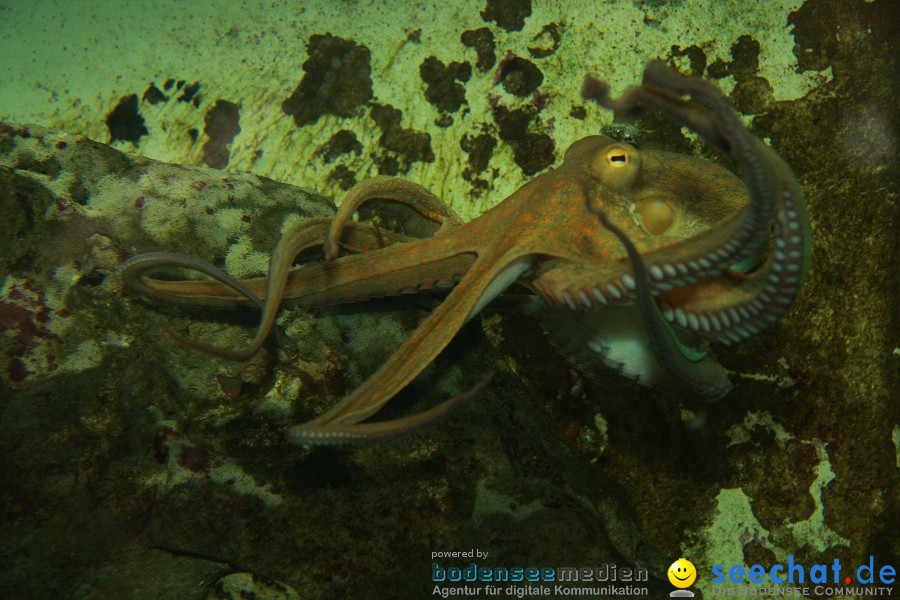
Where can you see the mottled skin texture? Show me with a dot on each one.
(635, 260)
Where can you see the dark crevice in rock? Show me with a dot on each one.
(533, 152)
(479, 148)
(189, 91)
(93, 279)
(153, 95)
(507, 14)
(752, 94)
(342, 142)
(512, 123)
(344, 177)
(337, 80)
(221, 125)
(124, 122)
(550, 37)
(387, 164)
(695, 55)
(443, 120)
(482, 41)
(519, 76)
(442, 90)
(408, 144)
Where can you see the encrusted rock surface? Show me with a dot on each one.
(114, 438)
(120, 449)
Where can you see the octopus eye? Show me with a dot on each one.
(617, 158)
(657, 215)
(616, 166)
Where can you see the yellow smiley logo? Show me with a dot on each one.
(682, 573)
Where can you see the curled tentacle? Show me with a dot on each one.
(133, 271)
(699, 371)
(418, 211)
(710, 115)
(481, 283)
(355, 433)
(297, 238)
(310, 285)
(707, 295)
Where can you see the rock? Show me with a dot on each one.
(116, 439)
(237, 586)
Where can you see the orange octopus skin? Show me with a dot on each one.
(637, 260)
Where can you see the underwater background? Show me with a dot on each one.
(133, 467)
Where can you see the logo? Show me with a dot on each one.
(794, 578)
(682, 574)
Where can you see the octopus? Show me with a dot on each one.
(634, 260)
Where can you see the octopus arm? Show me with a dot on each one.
(413, 208)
